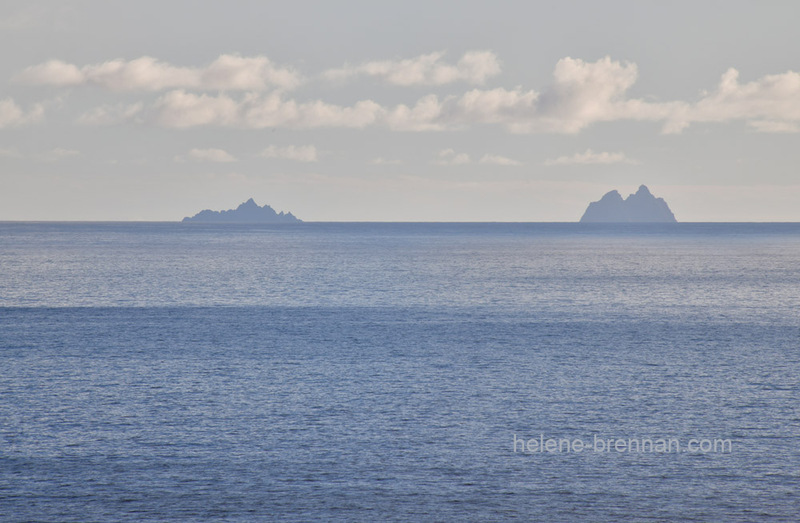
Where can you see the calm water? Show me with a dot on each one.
(382, 371)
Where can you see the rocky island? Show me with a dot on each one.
(636, 208)
(248, 212)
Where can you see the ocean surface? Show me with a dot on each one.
(373, 372)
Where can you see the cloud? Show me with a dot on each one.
(12, 115)
(474, 67)
(207, 155)
(495, 159)
(228, 72)
(111, 114)
(182, 109)
(583, 93)
(426, 115)
(251, 94)
(591, 158)
(450, 157)
(496, 106)
(52, 72)
(769, 104)
(298, 153)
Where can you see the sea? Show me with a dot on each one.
(399, 372)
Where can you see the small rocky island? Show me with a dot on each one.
(636, 208)
(248, 212)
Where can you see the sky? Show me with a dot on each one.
(414, 111)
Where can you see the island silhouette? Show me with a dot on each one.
(247, 212)
(639, 207)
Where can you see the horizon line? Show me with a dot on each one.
(388, 222)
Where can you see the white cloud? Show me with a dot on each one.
(450, 157)
(182, 109)
(207, 155)
(254, 73)
(496, 159)
(474, 67)
(497, 106)
(52, 72)
(228, 72)
(585, 93)
(581, 94)
(426, 115)
(111, 114)
(12, 114)
(298, 153)
(590, 157)
(769, 104)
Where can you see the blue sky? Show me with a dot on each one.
(433, 111)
